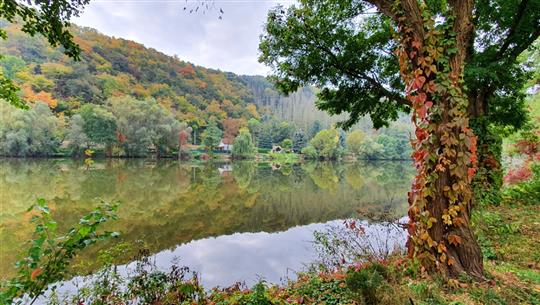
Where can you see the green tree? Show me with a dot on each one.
(243, 147)
(143, 124)
(446, 61)
(48, 18)
(370, 149)
(211, 136)
(354, 141)
(26, 133)
(310, 152)
(326, 142)
(299, 140)
(314, 129)
(287, 145)
(394, 147)
(254, 127)
(76, 137)
(99, 125)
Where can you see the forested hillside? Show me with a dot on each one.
(112, 67)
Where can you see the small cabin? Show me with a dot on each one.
(277, 149)
(225, 145)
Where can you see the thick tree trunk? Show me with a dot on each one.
(445, 147)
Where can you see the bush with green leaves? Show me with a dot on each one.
(310, 152)
(367, 282)
(287, 145)
(211, 136)
(49, 254)
(326, 142)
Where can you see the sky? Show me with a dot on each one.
(227, 44)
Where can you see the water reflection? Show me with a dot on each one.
(166, 203)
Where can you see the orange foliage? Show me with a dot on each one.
(187, 70)
(42, 96)
(231, 128)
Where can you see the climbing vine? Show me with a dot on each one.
(444, 147)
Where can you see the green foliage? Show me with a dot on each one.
(310, 152)
(243, 147)
(394, 148)
(49, 254)
(76, 137)
(527, 192)
(354, 141)
(367, 282)
(299, 140)
(33, 132)
(143, 124)
(287, 145)
(370, 149)
(99, 125)
(211, 136)
(326, 142)
(314, 129)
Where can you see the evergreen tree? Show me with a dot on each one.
(211, 137)
(299, 140)
(314, 129)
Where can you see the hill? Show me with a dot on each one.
(112, 67)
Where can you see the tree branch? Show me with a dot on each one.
(515, 23)
(463, 28)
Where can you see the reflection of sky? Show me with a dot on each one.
(224, 260)
(246, 257)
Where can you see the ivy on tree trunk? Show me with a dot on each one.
(432, 57)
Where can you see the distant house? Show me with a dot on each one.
(224, 145)
(277, 149)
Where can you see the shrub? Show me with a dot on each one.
(366, 282)
(310, 152)
(50, 254)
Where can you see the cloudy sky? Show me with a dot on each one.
(228, 44)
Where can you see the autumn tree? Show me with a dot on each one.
(445, 62)
(48, 18)
(184, 137)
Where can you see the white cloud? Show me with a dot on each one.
(228, 44)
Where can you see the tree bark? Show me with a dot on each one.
(440, 202)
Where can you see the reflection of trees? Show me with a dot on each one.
(323, 175)
(243, 172)
(166, 203)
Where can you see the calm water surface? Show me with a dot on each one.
(229, 222)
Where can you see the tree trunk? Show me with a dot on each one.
(488, 181)
(431, 65)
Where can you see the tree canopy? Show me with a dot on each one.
(348, 51)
